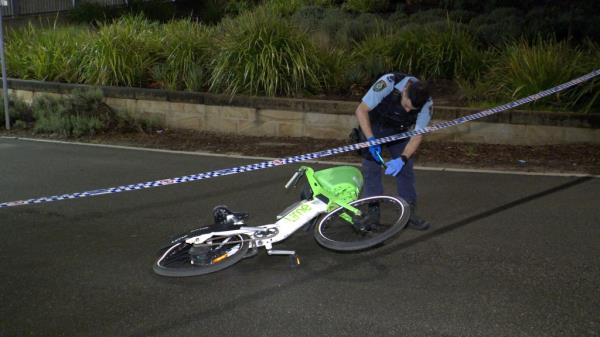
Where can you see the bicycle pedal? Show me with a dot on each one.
(281, 252)
(295, 261)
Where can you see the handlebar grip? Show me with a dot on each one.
(294, 180)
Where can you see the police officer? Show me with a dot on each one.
(395, 103)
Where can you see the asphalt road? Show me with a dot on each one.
(509, 255)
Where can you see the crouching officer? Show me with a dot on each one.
(395, 103)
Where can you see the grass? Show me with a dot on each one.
(432, 52)
(525, 68)
(187, 48)
(366, 6)
(121, 53)
(374, 56)
(300, 47)
(261, 54)
(51, 54)
(443, 51)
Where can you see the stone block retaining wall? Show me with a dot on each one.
(283, 117)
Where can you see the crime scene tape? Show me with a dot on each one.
(303, 157)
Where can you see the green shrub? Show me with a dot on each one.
(260, 53)
(428, 16)
(333, 20)
(487, 6)
(574, 23)
(398, 19)
(121, 53)
(309, 17)
(19, 112)
(155, 10)
(440, 50)
(342, 74)
(288, 8)
(447, 51)
(126, 121)
(367, 6)
(96, 14)
(237, 7)
(527, 68)
(78, 114)
(283, 8)
(210, 11)
(587, 97)
(185, 56)
(373, 57)
(461, 16)
(50, 116)
(361, 27)
(584, 97)
(50, 54)
(340, 28)
(498, 27)
(91, 13)
(323, 3)
(83, 113)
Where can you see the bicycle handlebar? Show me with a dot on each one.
(294, 179)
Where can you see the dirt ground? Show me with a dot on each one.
(575, 158)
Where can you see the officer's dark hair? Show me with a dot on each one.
(418, 93)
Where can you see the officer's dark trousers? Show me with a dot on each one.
(372, 172)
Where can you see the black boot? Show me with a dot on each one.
(415, 222)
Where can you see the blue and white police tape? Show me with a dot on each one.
(303, 157)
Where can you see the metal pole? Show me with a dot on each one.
(14, 4)
(4, 79)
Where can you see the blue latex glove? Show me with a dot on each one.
(394, 166)
(375, 151)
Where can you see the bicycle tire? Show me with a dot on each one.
(338, 234)
(178, 261)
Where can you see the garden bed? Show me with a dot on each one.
(307, 48)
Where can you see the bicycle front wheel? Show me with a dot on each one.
(183, 259)
(381, 218)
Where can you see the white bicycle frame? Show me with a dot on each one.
(305, 211)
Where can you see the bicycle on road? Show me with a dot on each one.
(329, 199)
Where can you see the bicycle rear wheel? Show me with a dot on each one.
(381, 218)
(183, 259)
